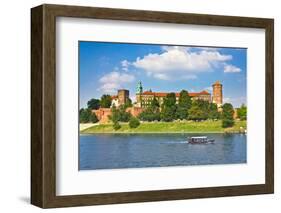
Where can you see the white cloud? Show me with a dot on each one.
(179, 62)
(161, 76)
(113, 81)
(125, 64)
(109, 88)
(228, 68)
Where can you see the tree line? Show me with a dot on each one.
(185, 109)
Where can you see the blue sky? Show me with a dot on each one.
(106, 67)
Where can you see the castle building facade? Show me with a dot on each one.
(144, 99)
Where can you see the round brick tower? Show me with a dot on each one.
(217, 93)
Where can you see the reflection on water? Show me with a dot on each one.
(108, 151)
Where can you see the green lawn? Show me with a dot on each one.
(169, 127)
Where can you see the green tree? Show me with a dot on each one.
(116, 125)
(86, 116)
(197, 113)
(105, 101)
(213, 111)
(227, 115)
(154, 103)
(134, 122)
(183, 105)
(124, 116)
(169, 108)
(93, 103)
(93, 118)
(170, 100)
(115, 115)
(199, 110)
(184, 99)
(119, 114)
(181, 113)
(168, 113)
(150, 114)
(83, 116)
(203, 105)
(242, 112)
(227, 123)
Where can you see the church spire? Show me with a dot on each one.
(139, 88)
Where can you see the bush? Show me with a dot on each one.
(150, 114)
(227, 123)
(116, 126)
(134, 122)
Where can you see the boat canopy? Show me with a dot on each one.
(201, 137)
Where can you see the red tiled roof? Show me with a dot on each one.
(164, 94)
(114, 96)
(204, 92)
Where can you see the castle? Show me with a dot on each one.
(144, 98)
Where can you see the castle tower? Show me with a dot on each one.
(217, 93)
(123, 96)
(138, 93)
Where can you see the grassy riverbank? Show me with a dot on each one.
(169, 127)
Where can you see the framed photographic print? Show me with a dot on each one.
(136, 106)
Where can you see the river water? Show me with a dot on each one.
(112, 151)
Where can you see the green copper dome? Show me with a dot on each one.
(139, 88)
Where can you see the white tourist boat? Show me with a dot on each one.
(200, 140)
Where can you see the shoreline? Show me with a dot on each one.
(98, 133)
